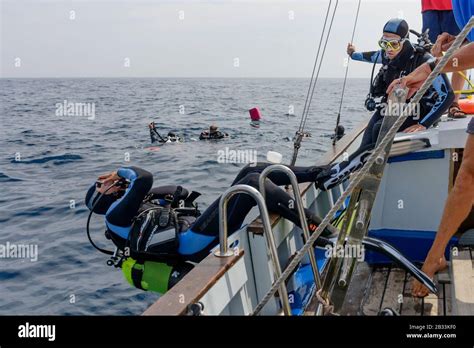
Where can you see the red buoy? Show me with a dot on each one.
(255, 114)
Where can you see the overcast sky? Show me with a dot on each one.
(137, 38)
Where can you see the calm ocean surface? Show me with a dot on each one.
(48, 161)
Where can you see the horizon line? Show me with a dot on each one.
(169, 77)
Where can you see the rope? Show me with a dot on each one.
(313, 82)
(320, 64)
(345, 77)
(465, 91)
(358, 176)
(468, 80)
(315, 62)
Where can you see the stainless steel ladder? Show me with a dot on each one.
(299, 206)
(267, 229)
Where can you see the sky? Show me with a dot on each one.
(188, 38)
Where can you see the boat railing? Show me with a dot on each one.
(299, 206)
(267, 228)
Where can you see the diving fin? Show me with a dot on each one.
(191, 198)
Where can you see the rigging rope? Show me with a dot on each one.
(345, 77)
(313, 82)
(358, 176)
(315, 62)
(320, 64)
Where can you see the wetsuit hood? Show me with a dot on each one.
(398, 27)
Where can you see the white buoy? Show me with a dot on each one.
(274, 157)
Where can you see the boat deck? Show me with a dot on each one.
(375, 288)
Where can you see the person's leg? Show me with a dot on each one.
(376, 131)
(457, 81)
(153, 137)
(303, 174)
(203, 234)
(325, 177)
(377, 126)
(372, 128)
(457, 208)
(448, 25)
(340, 171)
(431, 21)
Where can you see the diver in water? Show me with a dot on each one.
(156, 137)
(154, 226)
(213, 133)
(399, 57)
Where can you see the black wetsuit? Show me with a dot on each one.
(196, 242)
(433, 104)
(156, 137)
(214, 135)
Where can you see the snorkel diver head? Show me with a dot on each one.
(395, 34)
(213, 129)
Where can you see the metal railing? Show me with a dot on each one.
(299, 206)
(267, 229)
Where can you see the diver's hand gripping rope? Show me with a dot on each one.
(358, 176)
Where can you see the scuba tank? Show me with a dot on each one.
(154, 276)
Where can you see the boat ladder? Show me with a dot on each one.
(224, 250)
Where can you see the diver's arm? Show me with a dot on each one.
(445, 98)
(368, 57)
(461, 60)
(122, 212)
(155, 136)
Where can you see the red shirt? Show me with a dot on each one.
(438, 5)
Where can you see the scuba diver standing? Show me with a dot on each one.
(399, 57)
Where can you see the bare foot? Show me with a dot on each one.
(430, 267)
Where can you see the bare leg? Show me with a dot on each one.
(457, 208)
(457, 83)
